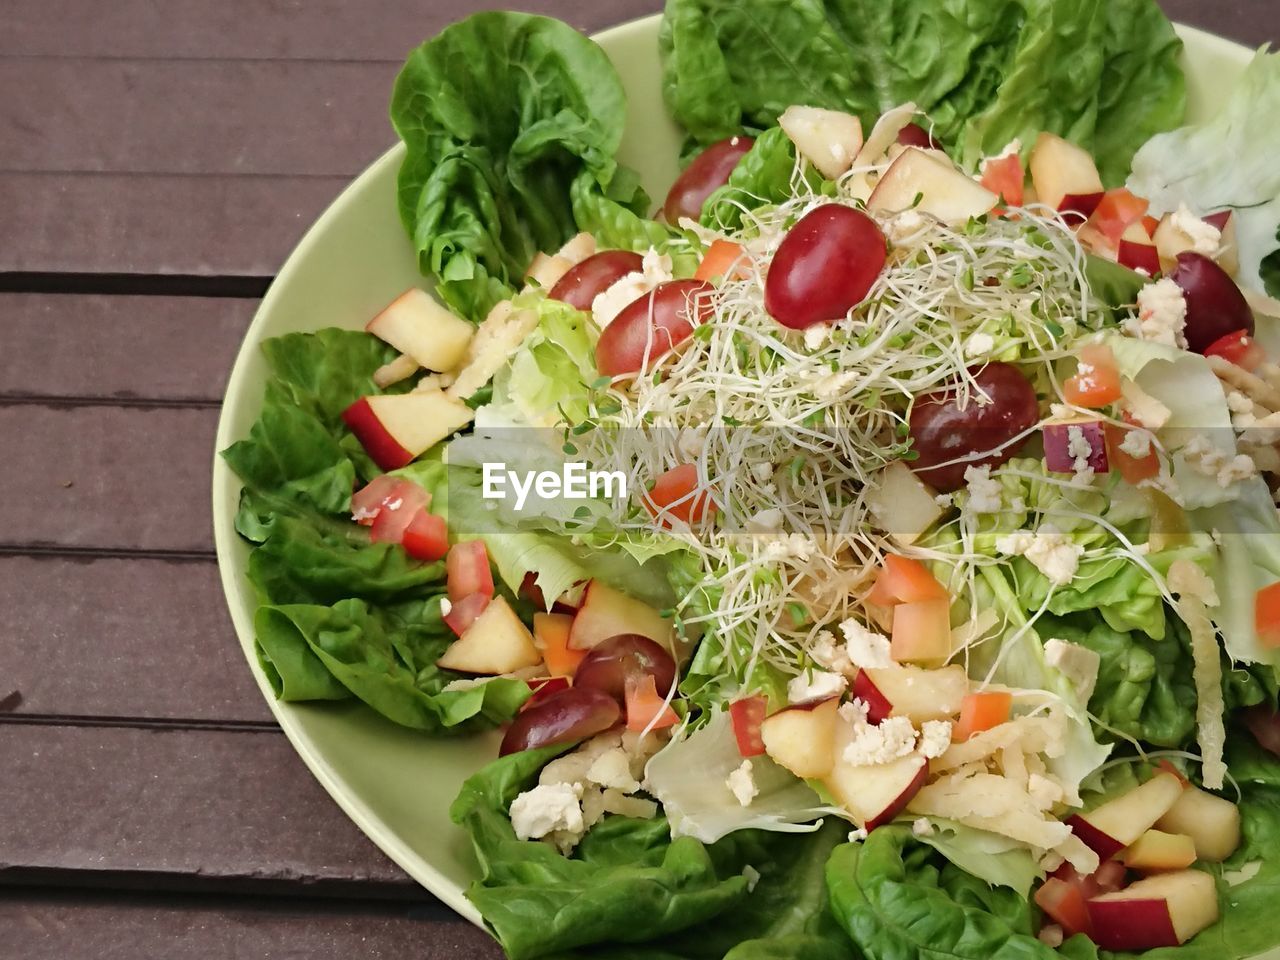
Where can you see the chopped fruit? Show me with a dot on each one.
(1064, 902)
(1212, 823)
(1168, 767)
(1065, 176)
(828, 139)
(377, 493)
(1133, 469)
(982, 711)
(551, 637)
(903, 580)
(467, 570)
(396, 428)
(921, 631)
(646, 707)
(1068, 442)
(398, 513)
(1138, 251)
(1238, 348)
(1116, 212)
(878, 705)
(463, 613)
(673, 496)
(543, 689)
(921, 694)
(903, 504)
(1150, 223)
(416, 325)
(803, 738)
(564, 717)
(1096, 383)
(874, 795)
(1157, 850)
(1228, 255)
(718, 260)
(1005, 177)
(1266, 615)
(929, 183)
(1119, 822)
(747, 715)
(426, 537)
(1161, 911)
(606, 613)
(497, 642)
(545, 272)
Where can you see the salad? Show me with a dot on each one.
(874, 552)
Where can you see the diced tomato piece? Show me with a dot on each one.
(1238, 348)
(982, 711)
(397, 512)
(1065, 903)
(543, 688)
(1133, 469)
(746, 716)
(467, 570)
(1151, 225)
(1118, 209)
(551, 637)
(463, 613)
(718, 260)
(1096, 383)
(368, 500)
(426, 537)
(673, 496)
(1169, 768)
(646, 708)
(1266, 615)
(1005, 177)
(904, 580)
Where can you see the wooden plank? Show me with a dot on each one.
(118, 223)
(307, 118)
(216, 807)
(154, 348)
(294, 29)
(106, 477)
(121, 638)
(90, 925)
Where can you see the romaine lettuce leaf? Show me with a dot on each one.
(761, 178)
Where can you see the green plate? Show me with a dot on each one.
(397, 784)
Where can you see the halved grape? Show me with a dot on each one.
(565, 717)
(611, 664)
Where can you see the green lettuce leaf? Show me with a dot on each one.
(499, 114)
(761, 178)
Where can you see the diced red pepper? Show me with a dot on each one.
(1238, 348)
(426, 537)
(397, 512)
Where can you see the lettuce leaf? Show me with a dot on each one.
(499, 114)
(761, 178)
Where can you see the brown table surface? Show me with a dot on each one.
(157, 163)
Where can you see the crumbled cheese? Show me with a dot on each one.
(692, 441)
(922, 828)
(816, 335)
(1239, 468)
(766, 521)
(945, 500)
(1078, 664)
(824, 652)
(1050, 551)
(1204, 237)
(547, 808)
(1045, 791)
(1078, 445)
(935, 738)
(832, 387)
(793, 546)
(613, 769)
(655, 269)
(904, 227)
(892, 738)
(857, 836)
(1136, 443)
(815, 685)
(752, 876)
(762, 471)
(1051, 935)
(979, 345)
(742, 784)
(865, 648)
(1162, 315)
(1201, 454)
(1164, 483)
(985, 492)
(1237, 402)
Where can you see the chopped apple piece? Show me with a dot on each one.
(922, 631)
(829, 139)
(497, 642)
(606, 612)
(902, 504)
(1065, 176)
(545, 272)
(1119, 822)
(874, 795)
(1212, 823)
(1138, 251)
(1165, 910)
(922, 181)
(803, 738)
(1157, 850)
(878, 705)
(394, 429)
(417, 325)
(921, 694)
(578, 247)
(1228, 255)
(884, 134)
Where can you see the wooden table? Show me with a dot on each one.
(157, 163)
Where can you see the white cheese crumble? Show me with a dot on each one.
(1203, 236)
(792, 546)
(824, 652)
(752, 876)
(1136, 443)
(922, 828)
(857, 836)
(1078, 664)
(742, 784)
(766, 521)
(904, 227)
(935, 738)
(985, 492)
(1207, 459)
(865, 648)
(979, 345)
(1237, 402)
(655, 269)
(815, 685)
(762, 471)
(892, 738)
(547, 808)
(1080, 450)
(1050, 551)
(612, 768)
(1162, 315)
(816, 335)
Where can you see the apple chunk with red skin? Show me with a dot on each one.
(1118, 823)
(930, 184)
(1065, 176)
(606, 613)
(396, 428)
(879, 706)
(421, 328)
(803, 738)
(1138, 251)
(874, 795)
(917, 693)
(496, 642)
(1165, 910)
